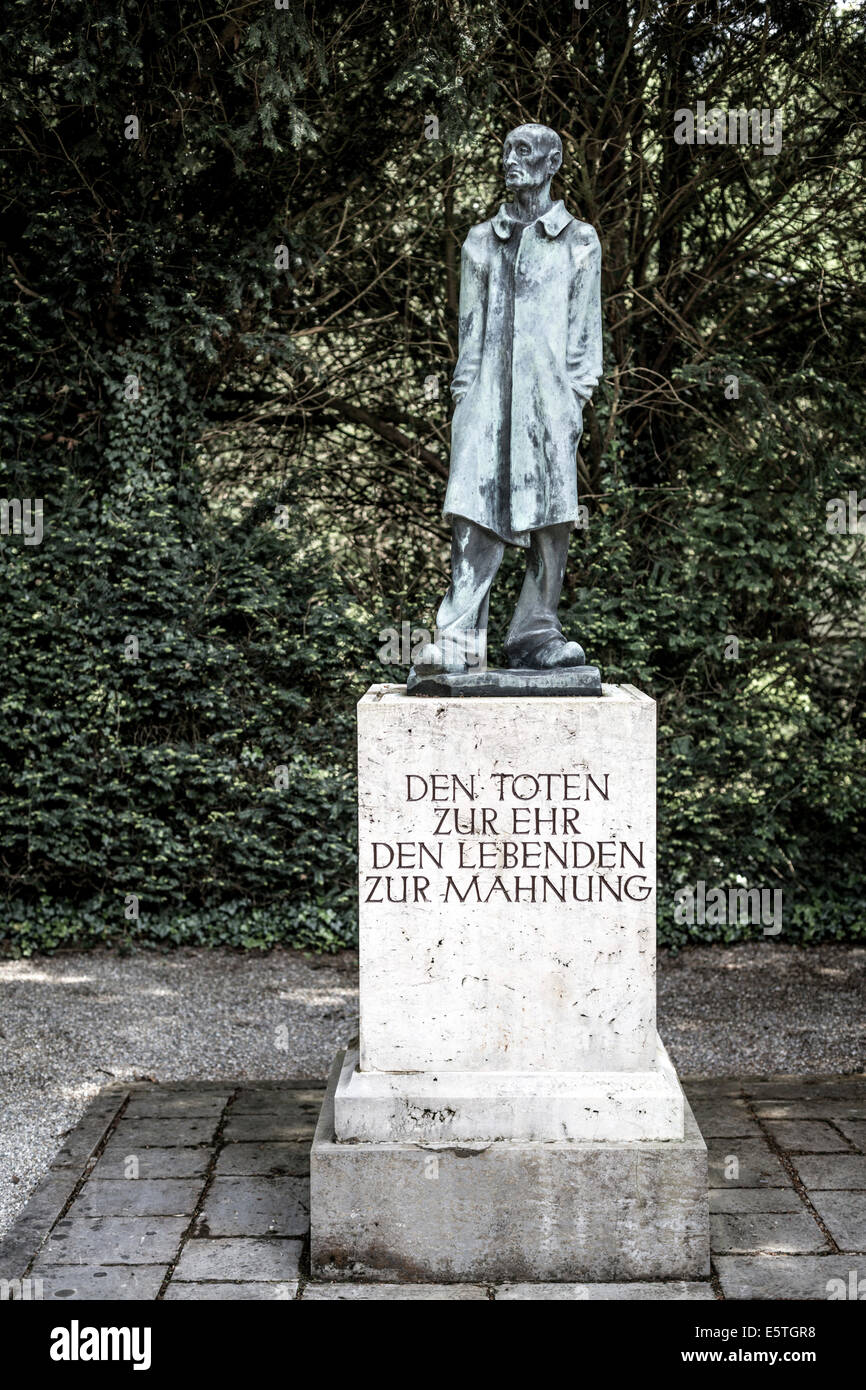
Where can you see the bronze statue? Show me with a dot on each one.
(530, 356)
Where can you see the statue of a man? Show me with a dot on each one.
(530, 356)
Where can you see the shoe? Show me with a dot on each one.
(552, 656)
(431, 659)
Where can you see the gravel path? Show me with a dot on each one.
(762, 1008)
(71, 1022)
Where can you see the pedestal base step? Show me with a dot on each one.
(397, 1212)
(486, 1107)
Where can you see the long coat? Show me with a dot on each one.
(530, 355)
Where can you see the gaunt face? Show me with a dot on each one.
(528, 160)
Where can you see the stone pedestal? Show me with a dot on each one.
(511, 1112)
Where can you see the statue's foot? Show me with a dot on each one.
(432, 659)
(552, 656)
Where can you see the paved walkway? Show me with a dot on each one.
(76, 1020)
(199, 1190)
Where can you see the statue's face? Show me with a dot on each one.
(527, 158)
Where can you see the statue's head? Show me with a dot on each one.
(531, 156)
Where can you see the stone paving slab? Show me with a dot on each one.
(141, 1197)
(719, 1119)
(744, 1163)
(199, 1191)
(786, 1233)
(807, 1136)
(823, 1171)
(113, 1240)
(179, 1292)
(785, 1277)
(340, 1293)
(255, 1101)
(158, 1104)
(269, 1128)
(712, 1088)
(36, 1220)
(815, 1109)
(275, 1160)
(759, 1199)
(240, 1260)
(804, 1088)
(675, 1291)
(256, 1206)
(844, 1215)
(89, 1283)
(210, 1087)
(170, 1132)
(153, 1164)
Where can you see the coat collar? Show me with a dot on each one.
(552, 221)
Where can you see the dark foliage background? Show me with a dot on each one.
(242, 466)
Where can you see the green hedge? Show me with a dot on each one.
(177, 721)
(213, 777)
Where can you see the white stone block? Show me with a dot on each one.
(507, 865)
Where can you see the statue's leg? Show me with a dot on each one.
(535, 639)
(461, 624)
